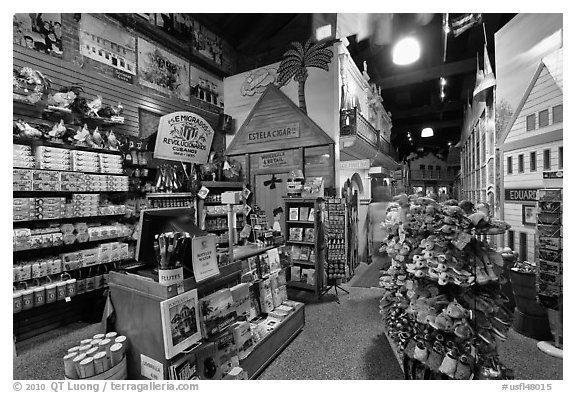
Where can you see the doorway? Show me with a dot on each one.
(268, 197)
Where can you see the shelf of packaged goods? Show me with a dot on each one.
(72, 247)
(298, 200)
(300, 285)
(158, 195)
(119, 261)
(41, 319)
(91, 218)
(223, 184)
(39, 142)
(73, 118)
(216, 229)
(300, 242)
(24, 194)
(304, 263)
(71, 171)
(270, 346)
(299, 222)
(220, 214)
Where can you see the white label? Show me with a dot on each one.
(170, 276)
(150, 368)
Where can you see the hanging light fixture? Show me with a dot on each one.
(406, 51)
(427, 132)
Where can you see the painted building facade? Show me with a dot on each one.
(532, 149)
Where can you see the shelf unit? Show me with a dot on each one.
(217, 188)
(87, 306)
(314, 246)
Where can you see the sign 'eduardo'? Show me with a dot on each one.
(183, 136)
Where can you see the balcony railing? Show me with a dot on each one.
(442, 174)
(352, 123)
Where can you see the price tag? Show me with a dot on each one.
(68, 298)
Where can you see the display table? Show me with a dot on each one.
(266, 350)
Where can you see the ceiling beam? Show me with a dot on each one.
(412, 77)
(451, 106)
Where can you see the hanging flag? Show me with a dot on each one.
(479, 79)
(487, 81)
(489, 78)
(462, 23)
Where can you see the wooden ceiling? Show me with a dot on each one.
(411, 93)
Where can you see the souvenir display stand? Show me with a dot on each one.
(136, 297)
(443, 306)
(549, 266)
(306, 244)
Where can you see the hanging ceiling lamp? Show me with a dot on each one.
(427, 132)
(406, 51)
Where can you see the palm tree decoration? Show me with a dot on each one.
(296, 61)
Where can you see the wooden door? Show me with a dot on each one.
(268, 198)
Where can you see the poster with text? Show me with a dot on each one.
(104, 43)
(163, 71)
(180, 322)
(183, 136)
(41, 32)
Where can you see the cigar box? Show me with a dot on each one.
(49, 176)
(23, 185)
(21, 174)
(38, 185)
(57, 239)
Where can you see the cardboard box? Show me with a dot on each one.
(38, 185)
(22, 185)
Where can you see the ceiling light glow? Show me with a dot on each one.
(442, 82)
(406, 51)
(427, 132)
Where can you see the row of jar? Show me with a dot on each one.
(40, 291)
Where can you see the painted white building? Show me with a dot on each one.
(531, 146)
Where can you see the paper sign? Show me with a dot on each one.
(203, 193)
(183, 136)
(151, 368)
(204, 259)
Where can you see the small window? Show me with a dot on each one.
(557, 114)
(523, 252)
(509, 164)
(560, 157)
(520, 163)
(422, 167)
(100, 52)
(530, 122)
(547, 159)
(93, 50)
(543, 118)
(114, 61)
(121, 63)
(129, 67)
(533, 161)
(107, 55)
(511, 239)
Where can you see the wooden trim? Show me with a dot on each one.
(542, 139)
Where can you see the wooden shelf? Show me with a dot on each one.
(310, 201)
(301, 285)
(17, 140)
(242, 252)
(83, 267)
(104, 216)
(301, 242)
(158, 195)
(220, 214)
(222, 184)
(299, 222)
(70, 171)
(302, 262)
(72, 247)
(42, 193)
